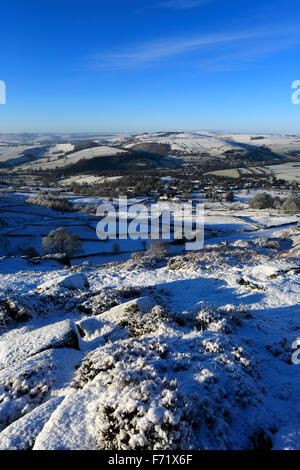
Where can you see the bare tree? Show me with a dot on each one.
(61, 241)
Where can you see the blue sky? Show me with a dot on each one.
(141, 65)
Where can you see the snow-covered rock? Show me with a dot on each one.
(21, 434)
(116, 314)
(71, 425)
(71, 281)
(25, 385)
(111, 324)
(90, 328)
(57, 335)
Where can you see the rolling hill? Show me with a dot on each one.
(32, 152)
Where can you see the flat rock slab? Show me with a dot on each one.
(116, 314)
(28, 384)
(58, 335)
(75, 281)
(72, 425)
(109, 324)
(21, 434)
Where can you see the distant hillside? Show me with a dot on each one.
(38, 152)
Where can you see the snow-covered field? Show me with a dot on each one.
(185, 351)
(278, 143)
(287, 171)
(87, 179)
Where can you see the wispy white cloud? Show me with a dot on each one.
(181, 4)
(219, 46)
(244, 57)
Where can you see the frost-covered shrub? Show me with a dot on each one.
(21, 308)
(14, 308)
(213, 255)
(240, 243)
(58, 297)
(146, 413)
(147, 260)
(52, 202)
(107, 299)
(189, 392)
(157, 249)
(139, 409)
(178, 262)
(21, 394)
(124, 354)
(209, 319)
(193, 260)
(89, 208)
(140, 324)
(292, 204)
(129, 292)
(137, 256)
(137, 260)
(265, 242)
(223, 319)
(261, 201)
